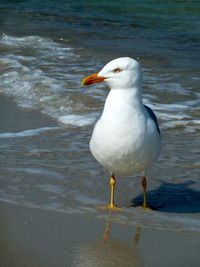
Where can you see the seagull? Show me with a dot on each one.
(126, 139)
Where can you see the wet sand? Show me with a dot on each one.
(38, 237)
(14, 119)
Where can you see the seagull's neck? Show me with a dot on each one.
(123, 100)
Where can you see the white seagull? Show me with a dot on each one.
(126, 139)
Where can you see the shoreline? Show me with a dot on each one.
(38, 237)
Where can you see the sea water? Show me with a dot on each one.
(46, 48)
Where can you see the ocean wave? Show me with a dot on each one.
(28, 133)
(190, 125)
(77, 120)
(42, 74)
(45, 75)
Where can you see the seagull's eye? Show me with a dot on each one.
(117, 70)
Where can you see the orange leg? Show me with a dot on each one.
(144, 186)
(112, 196)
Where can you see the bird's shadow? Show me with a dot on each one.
(178, 198)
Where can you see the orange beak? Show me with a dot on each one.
(93, 79)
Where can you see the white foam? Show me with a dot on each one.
(30, 42)
(183, 123)
(172, 87)
(77, 120)
(170, 116)
(28, 133)
(170, 107)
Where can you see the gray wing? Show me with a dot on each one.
(153, 116)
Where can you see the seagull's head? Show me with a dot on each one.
(120, 73)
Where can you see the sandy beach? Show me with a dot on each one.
(36, 237)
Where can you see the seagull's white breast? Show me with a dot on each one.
(125, 140)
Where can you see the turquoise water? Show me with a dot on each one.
(46, 48)
(155, 28)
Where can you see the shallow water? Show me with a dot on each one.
(45, 51)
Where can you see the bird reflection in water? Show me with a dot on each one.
(109, 252)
